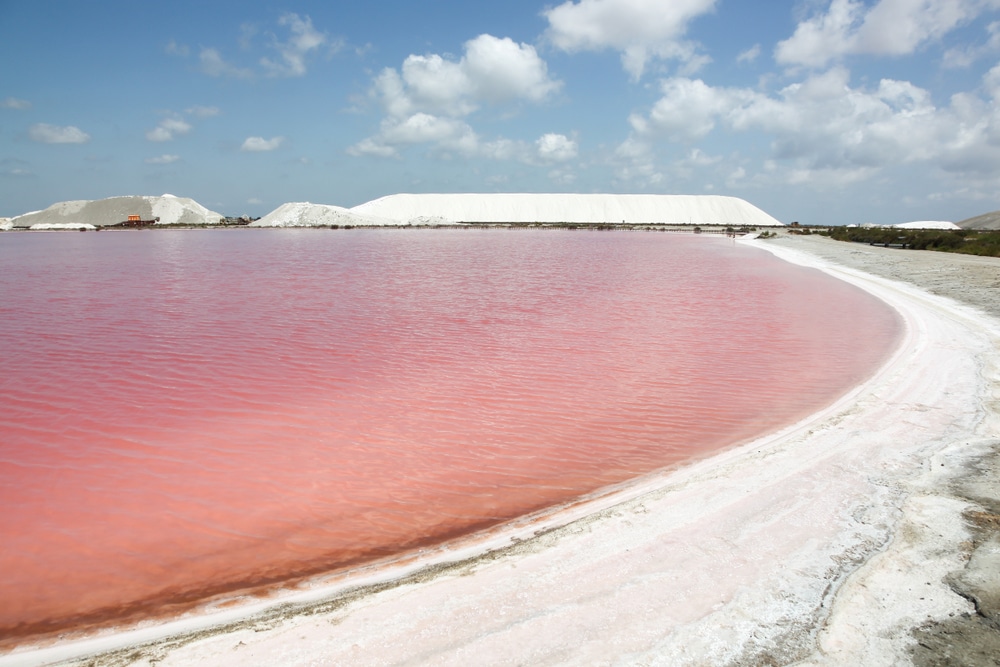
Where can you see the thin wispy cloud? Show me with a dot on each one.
(750, 55)
(175, 48)
(163, 159)
(303, 41)
(15, 103)
(213, 64)
(261, 145)
(56, 134)
(169, 129)
(203, 112)
(291, 51)
(16, 168)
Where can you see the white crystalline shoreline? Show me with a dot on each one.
(822, 544)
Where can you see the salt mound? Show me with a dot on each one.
(6, 224)
(111, 211)
(62, 225)
(583, 208)
(306, 214)
(927, 224)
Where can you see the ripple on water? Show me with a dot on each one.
(186, 414)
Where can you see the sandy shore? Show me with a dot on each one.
(866, 534)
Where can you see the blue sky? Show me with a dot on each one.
(821, 111)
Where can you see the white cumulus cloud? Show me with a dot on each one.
(426, 98)
(688, 109)
(555, 148)
(888, 27)
(492, 70)
(825, 128)
(260, 144)
(642, 30)
(502, 70)
(55, 134)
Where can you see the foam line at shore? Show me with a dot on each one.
(738, 556)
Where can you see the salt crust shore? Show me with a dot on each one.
(827, 543)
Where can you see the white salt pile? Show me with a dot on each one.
(306, 214)
(927, 224)
(580, 208)
(114, 210)
(417, 210)
(62, 225)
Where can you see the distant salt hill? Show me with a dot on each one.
(927, 224)
(89, 214)
(571, 208)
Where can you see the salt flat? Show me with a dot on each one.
(827, 543)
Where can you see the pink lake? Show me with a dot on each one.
(191, 413)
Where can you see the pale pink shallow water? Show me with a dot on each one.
(184, 414)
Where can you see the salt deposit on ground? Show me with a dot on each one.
(306, 214)
(102, 212)
(824, 544)
(62, 225)
(580, 208)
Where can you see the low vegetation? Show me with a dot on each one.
(959, 240)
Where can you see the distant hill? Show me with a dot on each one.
(984, 221)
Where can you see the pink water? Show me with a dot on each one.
(184, 414)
